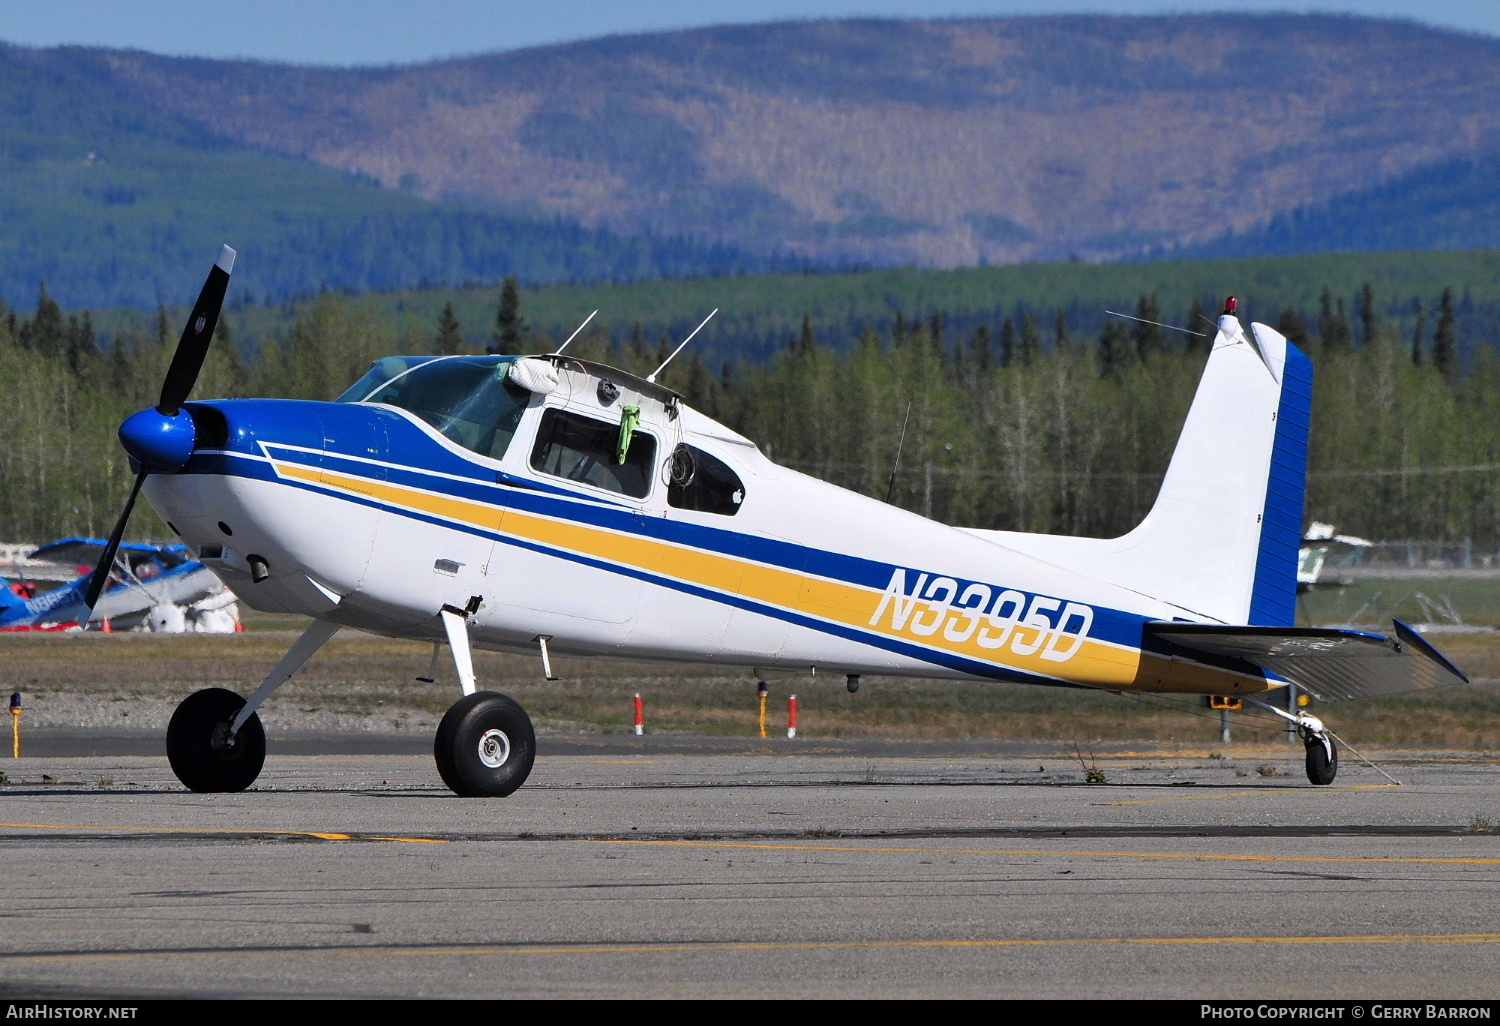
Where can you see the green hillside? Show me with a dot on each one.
(757, 313)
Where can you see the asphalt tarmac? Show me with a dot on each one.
(697, 867)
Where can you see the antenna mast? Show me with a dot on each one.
(890, 487)
(585, 324)
(652, 376)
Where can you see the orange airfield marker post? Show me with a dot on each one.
(791, 717)
(640, 715)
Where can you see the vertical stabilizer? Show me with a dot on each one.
(1221, 541)
(1273, 598)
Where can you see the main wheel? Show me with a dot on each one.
(485, 746)
(1322, 766)
(203, 755)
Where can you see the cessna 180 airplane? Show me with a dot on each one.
(550, 504)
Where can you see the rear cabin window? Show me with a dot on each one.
(581, 449)
(702, 482)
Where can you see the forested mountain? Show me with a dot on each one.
(1454, 205)
(934, 143)
(109, 199)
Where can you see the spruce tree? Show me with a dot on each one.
(1147, 334)
(1008, 342)
(81, 346)
(1369, 319)
(1445, 339)
(1031, 340)
(1293, 326)
(1114, 349)
(1333, 324)
(449, 336)
(638, 350)
(44, 332)
(510, 326)
(982, 352)
(1203, 327)
(1061, 340)
(1418, 342)
(806, 341)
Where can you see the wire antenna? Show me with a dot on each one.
(1159, 324)
(585, 324)
(652, 376)
(890, 487)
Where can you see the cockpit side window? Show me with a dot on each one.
(470, 400)
(582, 449)
(702, 482)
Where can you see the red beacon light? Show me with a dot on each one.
(1231, 306)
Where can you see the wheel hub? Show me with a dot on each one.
(222, 741)
(494, 748)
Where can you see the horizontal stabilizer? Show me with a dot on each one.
(1335, 665)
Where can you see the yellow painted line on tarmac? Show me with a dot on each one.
(1250, 794)
(1035, 852)
(636, 949)
(320, 835)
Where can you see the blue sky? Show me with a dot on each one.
(345, 32)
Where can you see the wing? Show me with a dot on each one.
(1335, 665)
(72, 551)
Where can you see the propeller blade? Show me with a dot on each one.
(100, 576)
(192, 348)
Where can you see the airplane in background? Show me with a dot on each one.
(549, 504)
(1316, 545)
(160, 588)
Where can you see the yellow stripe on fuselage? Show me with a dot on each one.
(1097, 663)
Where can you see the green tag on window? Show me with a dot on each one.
(630, 419)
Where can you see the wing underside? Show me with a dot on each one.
(1334, 665)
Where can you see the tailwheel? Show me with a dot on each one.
(1322, 758)
(485, 746)
(203, 754)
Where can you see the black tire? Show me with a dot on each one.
(485, 746)
(1321, 766)
(199, 748)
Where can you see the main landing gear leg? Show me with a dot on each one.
(1322, 753)
(215, 742)
(485, 744)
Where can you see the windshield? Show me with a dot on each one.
(468, 398)
(380, 372)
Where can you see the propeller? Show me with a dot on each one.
(161, 438)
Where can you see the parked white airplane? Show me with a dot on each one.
(552, 504)
(151, 587)
(1316, 545)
